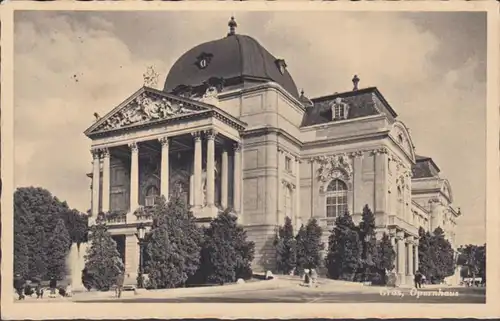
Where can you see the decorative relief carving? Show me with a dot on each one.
(332, 167)
(143, 109)
(287, 184)
(356, 154)
(380, 150)
(237, 147)
(211, 93)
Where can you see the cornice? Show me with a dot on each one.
(270, 130)
(336, 123)
(349, 139)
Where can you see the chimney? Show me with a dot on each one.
(355, 82)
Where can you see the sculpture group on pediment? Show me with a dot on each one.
(334, 167)
(143, 109)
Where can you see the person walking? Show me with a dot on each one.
(53, 286)
(314, 277)
(19, 286)
(417, 279)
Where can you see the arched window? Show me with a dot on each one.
(336, 199)
(288, 203)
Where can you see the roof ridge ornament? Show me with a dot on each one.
(232, 27)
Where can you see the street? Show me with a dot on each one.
(297, 294)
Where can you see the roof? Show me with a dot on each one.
(238, 59)
(362, 103)
(424, 167)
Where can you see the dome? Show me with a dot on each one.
(238, 60)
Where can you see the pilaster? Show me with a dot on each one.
(380, 187)
(296, 210)
(279, 192)
(237, 177)
(357, 188)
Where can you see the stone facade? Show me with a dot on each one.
(267, 154)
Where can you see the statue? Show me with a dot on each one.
(150, 77)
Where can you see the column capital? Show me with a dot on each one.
(400, 235)
(164, 141)
(356, 154)
(237, 147)
(379, 151)
(105, 152)
(210, 134)
(133, 147)
(196, 135)
(410, 239)
(95, 153)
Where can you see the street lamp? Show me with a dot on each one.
(141, 233)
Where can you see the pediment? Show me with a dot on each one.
(145, 106)
(402, 137)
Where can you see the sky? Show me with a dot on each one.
(431, 68)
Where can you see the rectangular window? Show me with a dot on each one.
(288, 164)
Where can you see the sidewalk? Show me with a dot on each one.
(180, 292)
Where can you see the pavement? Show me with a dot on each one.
(284, 289)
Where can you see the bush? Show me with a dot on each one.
(173, 245)
(309, 246)
(103, 264)
(226, 254)
(286, 248)
(344, 249)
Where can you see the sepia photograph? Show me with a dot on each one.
(265, 156)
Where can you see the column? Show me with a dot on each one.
(165, 167)
(410, 274)
(197, 193)
(96, 173)
(134, 177)
(297, 210)
(191, 185)
(106, 184)
(237, 178)
(415, 250)
(224, 179)
(210, 134)
(279, 194)
(401, 256)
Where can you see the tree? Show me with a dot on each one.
(226, 253)
(173, 245)
(21, 240)
(442, 256)
(344, 249)
(369, 245)
(309, 246)
(58, 250)
(36, 214)
(425, 263)
(286, 248)
(38, 259)
(385, 258)
(472, 258)
(103, 264)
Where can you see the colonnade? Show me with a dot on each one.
(406, 247)
(102, 155)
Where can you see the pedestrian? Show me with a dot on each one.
(39, 291)
(417, 279)
(422, 280)
(314, 277)
(53, 286)
(119, 284)
(19, 286)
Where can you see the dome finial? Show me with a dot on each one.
(232, 27)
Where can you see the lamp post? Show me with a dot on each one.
(141, 233)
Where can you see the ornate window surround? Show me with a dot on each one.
(340, 109)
